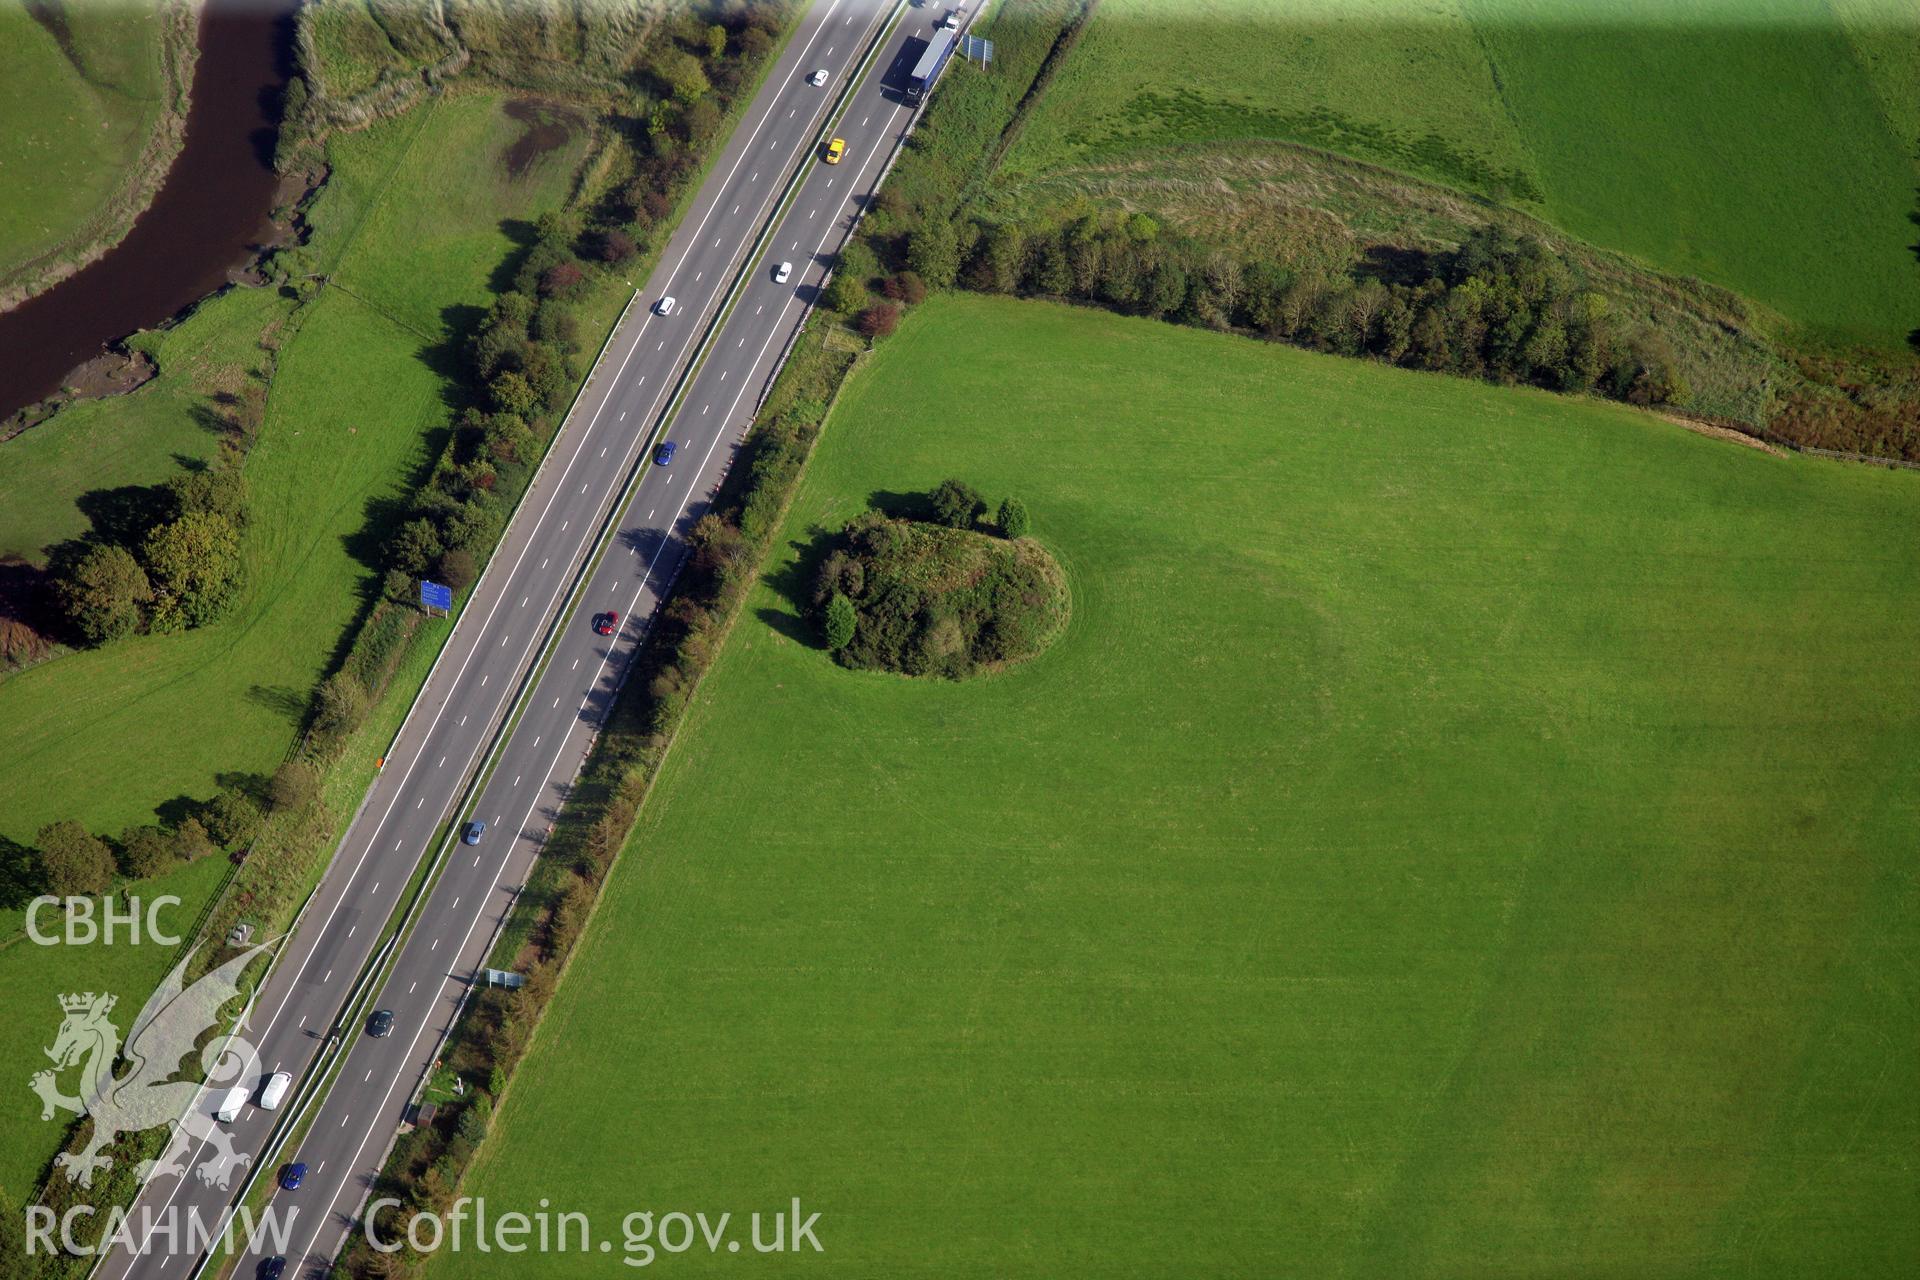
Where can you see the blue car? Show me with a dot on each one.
(291, 1175)
(664, 454)
(474, 831)
(270, 1269)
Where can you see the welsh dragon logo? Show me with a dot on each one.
(148, 1094)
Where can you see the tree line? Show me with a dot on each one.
(1502, 307)
(67, 860)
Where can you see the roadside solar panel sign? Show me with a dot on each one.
(435, 596)
(977, 47)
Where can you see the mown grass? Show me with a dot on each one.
(70, 129)
(1461, 831)
(1702, 143)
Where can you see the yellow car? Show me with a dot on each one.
(835, 149)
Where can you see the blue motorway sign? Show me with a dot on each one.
(435, 596)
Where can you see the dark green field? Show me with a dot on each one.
(1461, 832)
(1766, 145)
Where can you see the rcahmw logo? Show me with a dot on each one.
(88, 922)
(148, 1094)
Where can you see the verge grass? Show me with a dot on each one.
(1461, 830)
(1700, 139)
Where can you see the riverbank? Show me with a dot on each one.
(175, 49)
(201, 230)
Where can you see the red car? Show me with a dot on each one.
(606, 623)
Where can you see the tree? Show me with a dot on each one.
(341, 704)
(144, 852)
(755, 44)
(681, 74)
(295, 783)
(231, 818)
(221, 490)
(195, 567)
(841, 622)
(933, 252)
(1002, 261)
(907, 287)
(957, 504)
(74, 861)
(103, 593)
(1012, 518)
(190, 841)
(415, 546)
(880, 320)
(556, 324)
(456, 568)
(617, 246)
(846, 292)
(562, 280)
(1166, 288)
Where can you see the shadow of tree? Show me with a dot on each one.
(523, 234)
(251, 785)
(793, 583)
(902, 506)
(287, 703)
(124, 515)
(177, 810)
(20, 874)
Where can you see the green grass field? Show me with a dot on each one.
(71, 126)
(353, 412)
(1461, 831)
(1703, 138)
(32, 977)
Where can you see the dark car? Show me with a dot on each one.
(270, 1268)
(606, 623)
(664, 454)
(380, 1025)
(474, 831)
(290, 1176)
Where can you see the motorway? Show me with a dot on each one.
(524, 598)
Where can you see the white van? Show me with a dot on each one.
(274, 1092)
(229, 1109)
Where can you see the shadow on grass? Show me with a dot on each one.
(793, 582)
(20, 876)
(287, 703)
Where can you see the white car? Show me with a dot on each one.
(274, 1092)
(664, 307)
(818, 78)
(783, 273)
(953, 20)
(229, 1106)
